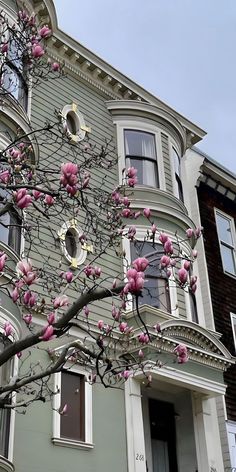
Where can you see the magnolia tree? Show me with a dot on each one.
(41, 195)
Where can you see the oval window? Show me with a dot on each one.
(72, 249)
(71, 121)
(71, 242)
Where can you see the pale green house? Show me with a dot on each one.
(172, 426)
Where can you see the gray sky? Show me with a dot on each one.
(183, 51)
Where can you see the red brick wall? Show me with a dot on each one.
(222, 286)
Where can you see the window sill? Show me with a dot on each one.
(6, 465)
(71, 443)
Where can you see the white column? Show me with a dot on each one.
(134, 427)
(208, 446)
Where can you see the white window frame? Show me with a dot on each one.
(141, 126)
(56, 437)
(141, 232)
(233, 233)
(231, 430)
(232, 318)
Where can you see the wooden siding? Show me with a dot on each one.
(166, 162)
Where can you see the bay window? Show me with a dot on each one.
(156, 287)
(14, 73)
(140, 152)
(10, 230)
(177, 175)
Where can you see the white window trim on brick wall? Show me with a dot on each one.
(233, 232)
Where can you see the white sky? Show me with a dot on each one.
(183, 51)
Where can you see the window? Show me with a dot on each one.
(226, 235)
(74, 428)
(73, 123)
(233, 322)
(156, 287)
(10, 230)
(73, 250)
(140, 152)
(178, 183)
(14, 74)
(231, 427)
(72, 394)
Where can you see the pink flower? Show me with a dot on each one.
(116, 197)
(55, 66)
(126, 213)
(100, 324)
(153, 229)
(126, 201)
(143, 338)
(147, 212)
(37, 51)
(51, 318)
(24, 267)
(49, 200)
(61, 301)
(8, 329)
(131, 233)
(63, 411)
(137, 214)
(48, 333)
(32, 300)
(37, 194)
(157, 327)
(194, 253)
(140, 354)
(97, 271)
(168, 247)
(5, 176)
(163, 238)
(89, 270)
(19, 354)
(69, 173)
(131, 172)
(140, 264)
(115, 313)
(23, 199)
(3, 259)
(69, 277)
(181, 353)
(45, 32)
(193, 288)
(135, 282)
(165, 261)
(27, 319)
(123, 326)
(30, 278)
(132, 182)
(4, 47)
(126, 374)
(86, 311)
(198, 232)
(183, 275)
(187, 265)
(15, 294)
(189, 233)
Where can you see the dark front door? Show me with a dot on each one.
(163, 437)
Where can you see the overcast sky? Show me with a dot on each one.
(183, 51)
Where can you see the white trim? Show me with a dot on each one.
(79, 123)
(81, 253)
(231, 432)
(232, 318)
(56, 439)
(233, 234)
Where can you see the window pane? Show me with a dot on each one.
(147, 171)
(193, 307)
(4, 431)
(176, 162)
(228, 259)
(72, 393)
(4, 230)
(224, 229)
(138, 143)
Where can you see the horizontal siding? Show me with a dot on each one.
(166, 162)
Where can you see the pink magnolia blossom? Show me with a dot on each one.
(137, 214)
(4, 47)
(135, 282)
(8, 329)
(97, 271)
(63, 411)
(48, 333)
(86, 311)
(69, 173)
(55, 66)
(147, 212)
(131, 172)
(19, 354)
(173, 262)
(126, 374)
(126, 213)
(100, 324)
(5, 176)
(165, 261)
(189, 233)
(22, 198)
(49, 200)
(168, 273)
(157, 327)
(116, 197)
(123, 327)
(89, 270)
(198, 232)
(132, 182)
(193, 288)
(140, 264)
(24, 267)
(69, 277)
(15, 294)
(143, 338)
(30, 278)
(37, 51)
(168, 247)
(27, 318)
(140, 354)
(131, 233)
(153, 228)
(61, 301)
(37, 194)
(194, 253)
(183, 275)
(163, 238)
(181, 353)
(187, 265)
(45, 32)
(3, 258)
(115, 313)
(51, 318)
